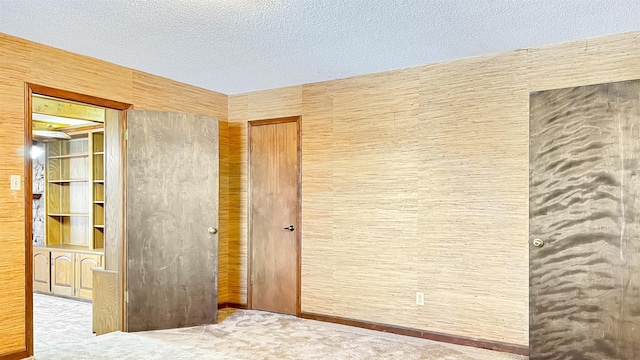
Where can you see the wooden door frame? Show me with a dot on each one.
(251, 124)
(30, 89)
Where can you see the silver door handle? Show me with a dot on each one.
(290, 228)
(213, 230)
(538, 243)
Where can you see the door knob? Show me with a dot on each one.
(538, 243)
(290, 228)
(213, 230)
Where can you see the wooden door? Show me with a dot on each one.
(171, 220)
(41, 270)
(585, 222)
(84, 276)
(63, 273)
(274, 219)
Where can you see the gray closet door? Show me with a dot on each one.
(171, 220)
(584, 222)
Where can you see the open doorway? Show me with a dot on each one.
(66, 221)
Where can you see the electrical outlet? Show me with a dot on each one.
(15, 182)
(419, 298)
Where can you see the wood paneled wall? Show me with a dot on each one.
(417, 180)
(23, 61)
(413, 180)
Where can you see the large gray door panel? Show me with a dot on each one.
(171, 204)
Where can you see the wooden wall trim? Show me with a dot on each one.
(15, 355)
(72, 96)
(28, 223)
(232, 305)
(299, 220)
(249, 222)
(429, 335)
(274, 121)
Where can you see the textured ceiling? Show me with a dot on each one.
(235, 46)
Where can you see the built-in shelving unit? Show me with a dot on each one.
(74, 207)
(98, 169)
(75, 191)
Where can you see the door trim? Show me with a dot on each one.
(251, 124)
(29, 90)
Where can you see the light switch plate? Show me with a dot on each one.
(15, 182)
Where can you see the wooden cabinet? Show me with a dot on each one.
(41, 270)
(84, 276)
(64, 272)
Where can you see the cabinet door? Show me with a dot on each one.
(62, 273)
(41, 270)
(84, 276)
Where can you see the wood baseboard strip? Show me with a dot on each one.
(22, 354)
(452, 339)
(225, 305)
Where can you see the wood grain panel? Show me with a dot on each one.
(471, 161)
(41, 270)
(274, 170)
(239, 108)
(237, 240)
(472, 227)
(237, 245)
(57, 107)
(375, 180)
(15, 64)
(275, 103)
(584, 195)
(63, 273)
(106, 309)
(113, 194)
(584, 62)
(265, 104)
(223, 214)
(23, 61)
(318, 250)
(461, 96)
(152, 92)
(84, 276)
(171, 201)
(80, 74)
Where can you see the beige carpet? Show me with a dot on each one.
(247, 334)
(59, 322)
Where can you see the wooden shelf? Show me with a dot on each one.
(74, 173)
(69, 156)
(74, 248)
(69, 215)
(67, 181)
